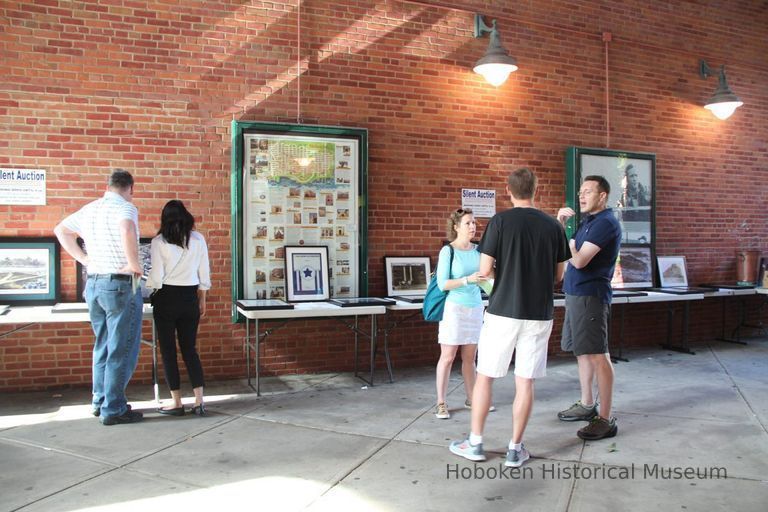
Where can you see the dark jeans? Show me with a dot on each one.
(177, 311)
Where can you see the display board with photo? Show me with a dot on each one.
(29, 270)
(301, 190)
(632, 180)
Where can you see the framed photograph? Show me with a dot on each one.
(672, 271)
(145, 260)
(306, 273)
(362, 301)
(634, 268)
(632, 178)
(29, 271)
(762, 276)
(407, 276)
(254, 304)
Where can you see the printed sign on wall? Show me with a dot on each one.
(481, 202)
(22, 186)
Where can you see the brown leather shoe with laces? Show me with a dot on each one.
(598, 428)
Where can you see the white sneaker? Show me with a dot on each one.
(442, 412)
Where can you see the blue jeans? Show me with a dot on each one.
(116, 314)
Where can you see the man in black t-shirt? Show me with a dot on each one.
(529, 249)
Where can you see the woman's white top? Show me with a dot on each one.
(176, 266)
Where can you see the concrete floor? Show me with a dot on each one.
(326, 442)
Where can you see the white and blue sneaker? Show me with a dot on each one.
(468, 450)
(515, 458)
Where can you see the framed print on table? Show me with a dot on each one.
(261, 304)
(362, 301)
(634, 268)
(145, 261)
(29, 270)
(306, 273)
(762, 281)
(407, 275)
(672, 271)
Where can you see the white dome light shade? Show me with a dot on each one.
(495, 74)
(723, 110)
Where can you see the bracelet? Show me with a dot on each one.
(466, 281)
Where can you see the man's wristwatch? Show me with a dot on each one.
(466, 281)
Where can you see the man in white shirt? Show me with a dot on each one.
(110, 229)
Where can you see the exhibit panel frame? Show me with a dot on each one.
(296, 185)
(632, 178)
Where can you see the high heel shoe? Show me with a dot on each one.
(199, 410)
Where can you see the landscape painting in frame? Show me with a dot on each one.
(29, 271)
(672, 271)
(634, 268)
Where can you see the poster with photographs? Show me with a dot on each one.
(632, 181)
(299, 190)
(631, 196)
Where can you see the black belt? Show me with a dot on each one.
(111, 277)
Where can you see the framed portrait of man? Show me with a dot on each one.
(632, 180)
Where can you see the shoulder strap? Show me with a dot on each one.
(450, 264)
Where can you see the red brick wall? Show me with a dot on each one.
(152, 87)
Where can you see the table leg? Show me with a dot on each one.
(620, 355)
(356, 349)
(736, 334)
(154, 363)
(247, 348)
(258, 356)
(386, 355)
(373, 347)
(683, 347)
